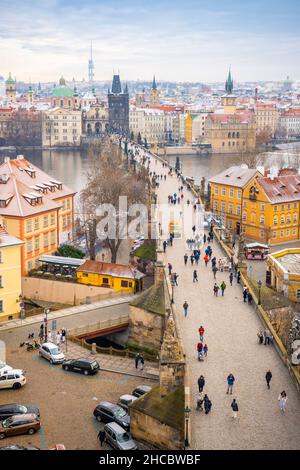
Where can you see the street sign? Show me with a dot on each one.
(22, 304)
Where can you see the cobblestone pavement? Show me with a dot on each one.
(230, 333)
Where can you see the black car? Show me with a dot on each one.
(108, 412)
(12, 409)
(141, 390)
(84, 366)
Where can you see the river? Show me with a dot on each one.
(71, 166)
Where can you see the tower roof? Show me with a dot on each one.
(62, 90)
(10, 80)
(229, 84)
(116, 85)
(154, 86)
(126, 89)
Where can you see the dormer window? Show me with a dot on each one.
(33, 198)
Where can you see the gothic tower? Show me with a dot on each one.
(154, 95)
(229, 99)
(30, 96)
(118, 107)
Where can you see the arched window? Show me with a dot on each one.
(229, 135)
(237, 135)
(228, 144)
(233, 135)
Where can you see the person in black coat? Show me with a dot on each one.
(268, 378)
(201, 383)
(101, 437)
(207, 404)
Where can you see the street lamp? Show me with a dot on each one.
(187, 412)
(259, 292)
(46, 312)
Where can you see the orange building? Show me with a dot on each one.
(35, 208)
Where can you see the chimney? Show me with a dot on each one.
(6, 159)
(20, 157)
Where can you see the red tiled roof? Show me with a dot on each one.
(239, 115)
(110, 269)
(283, 188)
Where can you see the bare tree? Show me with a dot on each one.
(108, 181)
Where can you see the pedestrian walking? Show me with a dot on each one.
(49, 338)
(101, 436)
(201, 333)
(199, 350)
(185, 258)
(185, 308)
(214, 270)
(216, 289)
(206, 259)
(175, 277)
(41, 334)
(238, 277)
(282, 400)
(137, 360)
(204, 238)
(58, 338)
(230, 383)
(201, 383)
(205, 350)
(142, 362)
(197, 256)
(268, 378)
(195, 276)
(164, 245)
(245, 294)
(192, 258)
(267, 335)
(231, 278)
(260, 337)
(207, 404)
(63, 335)
(170, 268)
(235, 408)
(223, 287)
(249, 298)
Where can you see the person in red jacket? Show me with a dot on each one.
(201, 333)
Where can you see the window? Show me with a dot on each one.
(29, 226)
(1, 285)
(52, 220)
(52, 238)
(68, 204)
(262, 234)
(29, 265)
(45, 221)
(275, 208)
(262, 207)
(238, 210)
(262, 220)
(216, 189)
(36, 224)
(105, 280)
(244, 203)
(231, 193)
(275, 220)
(298, 294)
(223, 207)
(1, 305)
(46, 239)
(274, 234)
(215, 205)
(36, 243)
(124, 283)
(223, 191)
(29, 246)
(230, 208)
(282, 207)
(281, 233)
(244, 216)
(1, 257)
(282, 219)
(295, 205)
(239, 194)
(294, 231)
(229, 223)
(288, 232)
(295, 217)
(288, 219)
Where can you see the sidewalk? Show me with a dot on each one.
(118, 365)
(65, 312)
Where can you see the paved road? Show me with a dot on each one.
(231, 327)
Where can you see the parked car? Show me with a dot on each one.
(125, 401)
(85, 366)
(18, 447)
(118, 438)
(12, 371)
(52, 353)
(4, 367)
(108, 412)
(141, 390)
(19, 424)
(12, 409)
(12, 380)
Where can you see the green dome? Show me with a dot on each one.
(10, 80)
(62, 91)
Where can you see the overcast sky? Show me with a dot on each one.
(192, 40)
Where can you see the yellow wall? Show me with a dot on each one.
(227, 200)
(188, 131)
(283, 282)
(10, 270)
(97, 280)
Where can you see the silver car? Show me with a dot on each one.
(118, 438)
(125, 401)
(52, 353)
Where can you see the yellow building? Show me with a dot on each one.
(226, 194)
(188, 129)
(232, 130)
(154, 94)
(114, 276)
(35, 208)
(271, 207)
(267, 118)
(284, 266)
(10, 275)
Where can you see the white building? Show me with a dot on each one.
(289, 122)
(61, 127)
(150, 123)
(199, 119)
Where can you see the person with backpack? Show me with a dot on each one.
(235, 408)
(216, 289)
(223, 287)
(201, 383)
(207, 404)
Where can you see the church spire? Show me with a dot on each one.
(154, 87)
(229, 83)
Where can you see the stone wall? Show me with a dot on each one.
(148, 429)
(146, 328)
